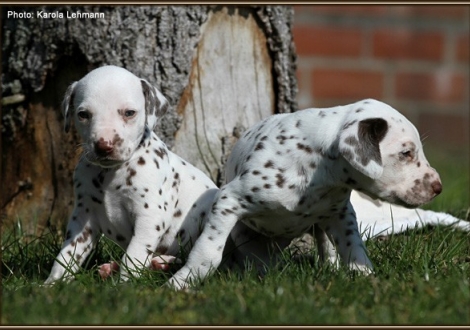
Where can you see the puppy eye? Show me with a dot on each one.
(83, 115)
(129, 113)
(406, 154)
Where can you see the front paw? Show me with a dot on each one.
(163, 262)
(362, 269)
(179, 281)
(176, 284)
(49, 282)
(107, 270)
(54, 279)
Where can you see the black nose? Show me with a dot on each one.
(436, 187)
(103, 148)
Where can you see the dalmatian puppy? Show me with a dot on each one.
(127, 184)
(294, 171)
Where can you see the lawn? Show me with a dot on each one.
(422, 277)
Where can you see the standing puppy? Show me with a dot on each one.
(292, 171)
(127, 184)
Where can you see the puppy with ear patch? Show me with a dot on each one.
(291, 172)
(127, 184)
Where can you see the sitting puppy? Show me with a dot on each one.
(294, 171)
(127, 184)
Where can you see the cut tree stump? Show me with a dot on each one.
(230, 88)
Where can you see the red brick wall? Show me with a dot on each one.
(414, 57)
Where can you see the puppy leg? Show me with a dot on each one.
(81, 238)
(344, 232)
(140, 250)
(207, 252)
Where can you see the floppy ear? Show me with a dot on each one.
(67, 105)
(156, 104)
(359, 145)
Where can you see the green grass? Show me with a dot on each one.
(454, 169)
(422, 277)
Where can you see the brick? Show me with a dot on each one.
(327, 41)
(406, 44)
(344, 10)
(431, 11)
(442, 86)
(346, 84)
(304, 99)
(299, 75)
(449, 131)
(463, 49)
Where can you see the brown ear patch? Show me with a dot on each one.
(370, 133)
(67, 106)
(151, 99)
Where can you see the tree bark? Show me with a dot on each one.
(221, 68)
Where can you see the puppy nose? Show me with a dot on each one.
(103, 148)
(436, 187)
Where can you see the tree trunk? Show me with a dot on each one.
(221, 68)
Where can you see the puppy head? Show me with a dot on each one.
(385, 148)
(112, 109)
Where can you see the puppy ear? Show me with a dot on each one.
(359, 145)
(156, 104)
(67, 106)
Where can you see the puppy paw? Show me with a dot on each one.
(107, 270)
(362, 269)
(163, 262)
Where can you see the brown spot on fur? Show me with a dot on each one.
(305, 148)
(280, 180)
(132, 172)
(96, 200)
(269, 164)
(160, 152)
(259, 146)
